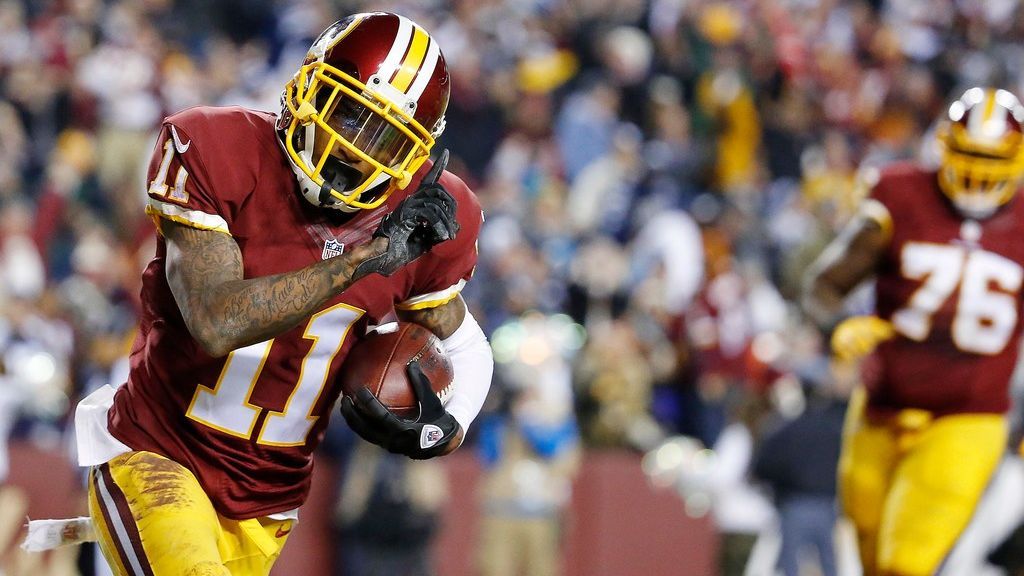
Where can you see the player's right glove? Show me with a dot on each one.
(425, 218)
(420, 439)
(858, 336)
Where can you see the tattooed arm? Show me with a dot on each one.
(442, 320)
(225, 311)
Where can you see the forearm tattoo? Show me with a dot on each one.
(442, 320)
(225, 311)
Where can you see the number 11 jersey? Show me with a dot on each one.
(246, 424)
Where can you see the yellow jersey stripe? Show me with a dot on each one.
(433, 299)
(874, 210)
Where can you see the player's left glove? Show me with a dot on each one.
(424, 219)
(858, 336)
(426, 437)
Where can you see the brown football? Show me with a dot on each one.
(378, 361)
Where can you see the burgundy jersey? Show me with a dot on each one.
(246, 424)
(951, 286)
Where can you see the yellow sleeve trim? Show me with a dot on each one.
(192, 218)
(426, 304)
(434, 299)
(875, 210)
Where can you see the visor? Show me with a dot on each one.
(331, 104)
(368, 131)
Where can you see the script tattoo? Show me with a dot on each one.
(225, 311)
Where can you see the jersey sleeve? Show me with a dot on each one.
(879, 204)
(178, 186)
(439, 276)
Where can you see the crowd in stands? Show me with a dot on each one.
(659, 171)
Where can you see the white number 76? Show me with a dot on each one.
(986, 308)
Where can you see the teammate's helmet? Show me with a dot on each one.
(364, 110)
(982, 144)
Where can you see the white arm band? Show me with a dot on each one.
(473, 365)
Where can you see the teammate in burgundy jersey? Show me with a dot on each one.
(282, 239)
(927, 431)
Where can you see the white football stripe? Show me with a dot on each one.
(397, 53)
(426, 71)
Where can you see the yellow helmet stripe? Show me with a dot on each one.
(990, 105)
(413, 60)
(426, 71)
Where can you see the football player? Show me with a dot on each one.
(928, 428)
(281, 239)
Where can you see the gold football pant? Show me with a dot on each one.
(152, 518)
(910, 483)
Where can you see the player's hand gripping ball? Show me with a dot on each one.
(395, 383)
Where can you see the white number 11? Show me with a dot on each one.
(226, 406)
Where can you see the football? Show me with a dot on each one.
(378, 361)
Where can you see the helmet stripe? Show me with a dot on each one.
(990, 105)
(987, 121)
(398, 49)
(413, 60)
(426, 71)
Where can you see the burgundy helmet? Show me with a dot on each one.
(362, 113)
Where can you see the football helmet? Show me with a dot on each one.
(362, 113)
(982, 151)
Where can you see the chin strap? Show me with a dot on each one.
(337, 176)
(325, 197)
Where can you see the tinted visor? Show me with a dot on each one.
(368, 131)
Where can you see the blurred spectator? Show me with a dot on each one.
(799, 462)
(13, 502)
(22, 275)
(615, 383)
(586, 125)
(660, 171)
(740, 510)
(529, 448)
(388, 511)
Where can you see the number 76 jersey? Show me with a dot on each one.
(951, 286)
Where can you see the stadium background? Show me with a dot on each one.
(656, 176)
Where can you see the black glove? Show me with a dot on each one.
(425, 218)
(420, 439)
